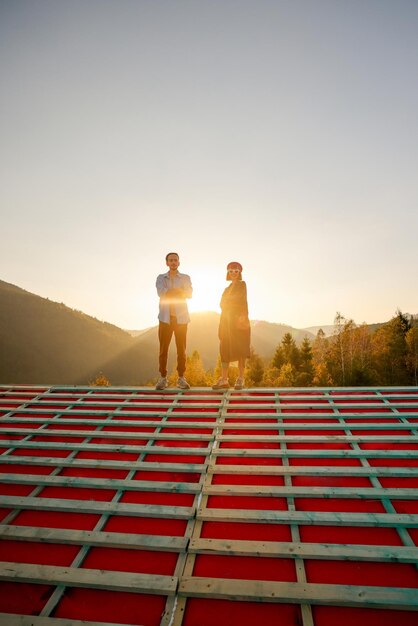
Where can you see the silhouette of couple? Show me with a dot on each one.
(234, 332)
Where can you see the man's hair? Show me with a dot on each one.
(167, 255)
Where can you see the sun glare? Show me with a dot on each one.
(207, 291)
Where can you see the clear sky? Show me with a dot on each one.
(279, 133)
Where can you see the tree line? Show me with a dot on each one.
(354, 355)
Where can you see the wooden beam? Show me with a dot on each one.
(91, 578)
(93, 538)
(296, 593)
(104, 464)
(308, 517)
(10, 619)
(295, 550)
(357, 493)
(106, 434)
(95, 507)
(102, 447)
(100, 483)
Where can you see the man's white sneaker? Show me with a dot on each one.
(182, 383)
(162, 383)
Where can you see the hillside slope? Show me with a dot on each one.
(47, 342)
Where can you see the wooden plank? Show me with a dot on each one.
(100, 508)
(319, 453)
(99, 483)
(296, 550)
(105, 434)
(302, 415)
(296, 593)
(308, 517)
(10, 619)
(316, 438)
(93, 538)
(357, 493)
(104, 464)
(91, 578)
(133, 423)
(337, 425)
(103, 447)
(314, 470)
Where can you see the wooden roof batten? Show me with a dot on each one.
(241, 457)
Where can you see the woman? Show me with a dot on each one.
(234, 326)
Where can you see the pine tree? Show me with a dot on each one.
(254, 370)
(305, 372)
(412, 350)
(390, 351)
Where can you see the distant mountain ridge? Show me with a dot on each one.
(45, 342)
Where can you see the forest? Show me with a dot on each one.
(354, 355)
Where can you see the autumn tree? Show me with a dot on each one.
(100, 381)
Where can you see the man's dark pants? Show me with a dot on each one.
(165, 333)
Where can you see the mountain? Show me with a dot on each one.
(327, 328)
(45, 342)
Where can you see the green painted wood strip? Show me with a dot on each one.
(196, 401)
(266, 397)
(302, 416)
(317, 405)
(296, 593)
(116, 405)
(100, 483)
(93, 538)
(96, 507)
(10, 619)
(102, 447)
(206, 415)
(308, 517)
(357, 493)
(314, 470)
(150, 466)
(63, 421)
(106, 434)
(316, 438)
(319, 452)
(303, 426)
(351, 406)
(91, 578)
(222, 438)
(120, 423)
(295, 550)
(199, 393)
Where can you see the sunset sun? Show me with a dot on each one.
(207, 292)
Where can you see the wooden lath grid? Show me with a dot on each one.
(287, 504)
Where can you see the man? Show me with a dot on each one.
(173, 288)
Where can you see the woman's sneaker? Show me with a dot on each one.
(239, 383)
(221, 384)
(182, 383)
(162, 383)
